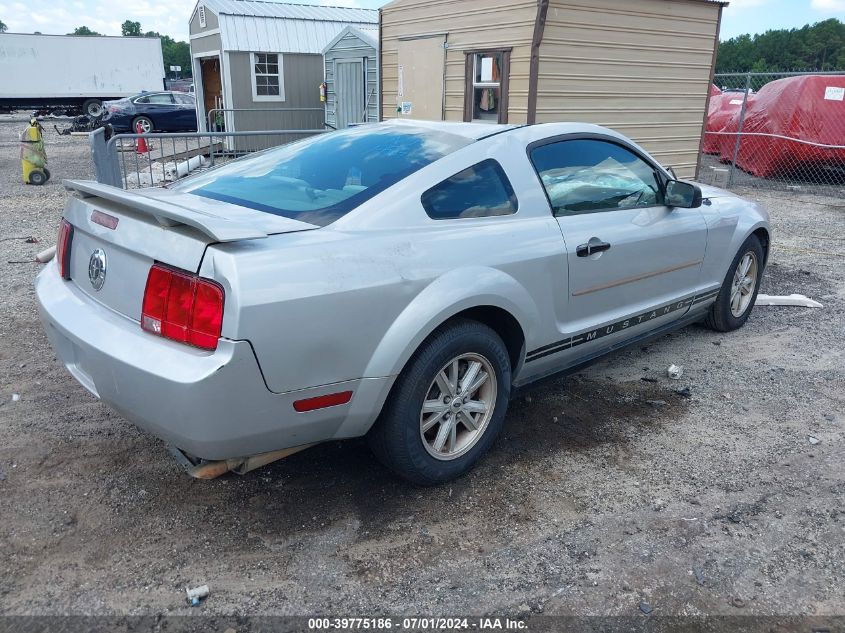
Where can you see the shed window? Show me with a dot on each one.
(267, 73)
(487, 85)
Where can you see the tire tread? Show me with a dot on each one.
(387, 437)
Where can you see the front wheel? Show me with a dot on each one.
(739, 290)
(447, 406)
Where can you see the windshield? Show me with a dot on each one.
(322, 178)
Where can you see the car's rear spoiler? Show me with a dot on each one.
(168, 208)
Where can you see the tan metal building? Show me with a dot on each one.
(642, 67)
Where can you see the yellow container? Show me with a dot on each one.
(33, 155)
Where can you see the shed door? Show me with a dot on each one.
(421, 68)
(212, 87)
(349, 91)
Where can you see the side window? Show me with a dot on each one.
(184, 99)
(161, 98)
(589, 176)
(480, 191)
(267, 77)
(142, 100)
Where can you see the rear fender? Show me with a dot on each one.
(447, 296)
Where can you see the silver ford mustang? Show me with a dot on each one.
(398, 280)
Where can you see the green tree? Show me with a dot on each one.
(820, 46)
(3, 27)
(83, 30)
(174, 53)
(130, 28)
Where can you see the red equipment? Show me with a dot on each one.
(801, 118)
(141, 143)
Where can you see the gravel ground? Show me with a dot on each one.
(608, 488)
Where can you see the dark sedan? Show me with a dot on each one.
(153, 112)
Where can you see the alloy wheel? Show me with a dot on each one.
(458, 406)
(744, 283)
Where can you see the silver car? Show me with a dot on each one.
(399, 280)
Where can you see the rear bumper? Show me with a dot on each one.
(119, 122)
(213, 405)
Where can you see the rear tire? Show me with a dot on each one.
(92, 108)
(443, 414)
(146, 124)
(739, 289)
(37, 177)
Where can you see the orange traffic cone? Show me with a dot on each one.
(141, 144)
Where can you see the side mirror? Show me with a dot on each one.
(682, 194)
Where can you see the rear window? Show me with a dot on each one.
(322, 178)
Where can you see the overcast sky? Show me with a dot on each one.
(171, 16)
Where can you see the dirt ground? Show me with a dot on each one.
(609, 489)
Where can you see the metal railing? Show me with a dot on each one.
(788, 135)
(132, 161)
(252, 119)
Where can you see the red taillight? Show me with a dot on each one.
(322, 402)
(63, 248)
(182, 307)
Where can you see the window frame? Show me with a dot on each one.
(470, 83)
(663, 176)
(253, 77)
(137, 100)
(506, 181)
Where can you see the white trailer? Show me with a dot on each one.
(70, 71)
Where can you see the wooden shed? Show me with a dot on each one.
(350, 64)
(258, 65)
(642, 67)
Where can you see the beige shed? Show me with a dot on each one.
(642, 67)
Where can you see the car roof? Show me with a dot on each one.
(473, 131)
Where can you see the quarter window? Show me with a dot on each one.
(480, 191)
(267, 75)
(589, 176)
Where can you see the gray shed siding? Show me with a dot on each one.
(350, 46)
(211, 21)
(301, 73)
(205, 44)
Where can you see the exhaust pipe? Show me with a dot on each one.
(201, 469)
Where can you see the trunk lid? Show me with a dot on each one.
(118, 235)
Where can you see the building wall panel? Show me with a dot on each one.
(639, 66)
(469, 25)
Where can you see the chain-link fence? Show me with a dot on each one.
(776, 130)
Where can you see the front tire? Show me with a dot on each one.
(739, 289)
(447, 407)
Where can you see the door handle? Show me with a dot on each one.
(591, 248)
